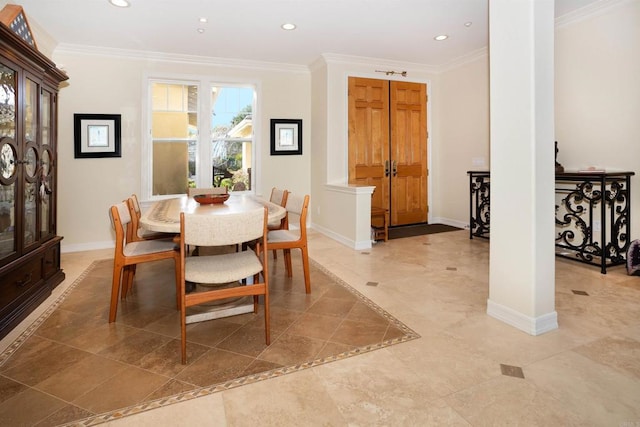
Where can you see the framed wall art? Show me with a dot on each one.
(96, 135)
(286, 137)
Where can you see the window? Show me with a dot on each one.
(232, 140)
(186, 149)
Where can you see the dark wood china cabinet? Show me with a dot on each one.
(29, 246)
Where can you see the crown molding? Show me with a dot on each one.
(594, 9)
(318, 64)
(464, 59)
(334, 58)
(75, 49)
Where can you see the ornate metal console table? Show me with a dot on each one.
(479, 186)
(593, 211)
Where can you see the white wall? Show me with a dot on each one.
(113, 84)
(463, 128)
(597, 94)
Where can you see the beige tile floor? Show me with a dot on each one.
(586, 373)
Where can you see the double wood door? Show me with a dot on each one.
(388, 145)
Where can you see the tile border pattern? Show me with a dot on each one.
(408, 335)
(13, 347)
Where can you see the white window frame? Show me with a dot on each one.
(204, 173)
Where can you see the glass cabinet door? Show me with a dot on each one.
(30, 163)
(8, 160)
(46, 172)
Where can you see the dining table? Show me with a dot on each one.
(164, 216)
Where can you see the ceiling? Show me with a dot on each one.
(396, 30)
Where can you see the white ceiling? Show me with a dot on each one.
(397, 30)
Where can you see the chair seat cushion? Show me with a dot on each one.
(276, 236)
(149, 247)
(221, 268)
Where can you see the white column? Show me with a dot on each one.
(522, 257)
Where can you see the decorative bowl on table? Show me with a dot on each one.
(207, 199)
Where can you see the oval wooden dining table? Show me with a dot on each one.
(164, 216)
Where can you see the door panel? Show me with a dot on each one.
(369, 136)
(388, 145)
(408, 118)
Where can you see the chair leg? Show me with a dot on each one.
(182, 301)
(127, 281)
(305, 266)
(178, 289)
(287, 261)
(256, 279)
(115, 290)
(267, 321)
(275, 254)
(183, 333)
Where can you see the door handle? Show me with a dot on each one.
(386, 168)
(394, 166)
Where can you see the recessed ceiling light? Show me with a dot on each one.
(288, 27)
(120, 3)
(200, 30)
(205, 20)
(468, 24)
(441, 37)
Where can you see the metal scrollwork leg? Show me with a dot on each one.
(480, 205)
(592, 219)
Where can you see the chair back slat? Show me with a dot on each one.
(278, 196)
(295, 204)
(120, 219)
(222, 230)
(134, 214)
(135, 204)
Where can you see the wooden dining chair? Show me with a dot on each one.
(228, 269)
(191, 191)
(135, 232)
(286, 239)
(279, 197)
(128, 255)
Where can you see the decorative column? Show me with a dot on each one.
(522, 261)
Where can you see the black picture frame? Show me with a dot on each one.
(97, 135)
(286, 137)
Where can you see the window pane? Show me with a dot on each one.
(232, 137)
(174, 124)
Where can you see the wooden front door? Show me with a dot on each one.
(408, 117)
(369, 137)
(388, 145)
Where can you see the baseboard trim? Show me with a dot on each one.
(358, 246)
(531, 325)
(81, 247)
(451, 222)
